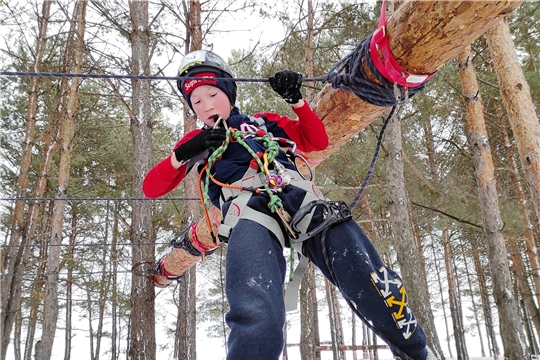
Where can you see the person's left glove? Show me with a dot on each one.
(287, 84)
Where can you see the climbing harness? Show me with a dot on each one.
(260, 178)
(257, 179)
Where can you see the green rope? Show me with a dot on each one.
(291, 261)
(272, 151)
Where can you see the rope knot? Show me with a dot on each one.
(350, 74)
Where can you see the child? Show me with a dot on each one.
(258, 224)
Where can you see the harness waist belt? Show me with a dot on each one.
(252, 180)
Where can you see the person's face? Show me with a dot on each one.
(207, 101)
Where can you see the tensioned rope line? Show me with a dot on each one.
(62, 273)
(347, 74)
(95, 199)
(85, 245)
(137, 77)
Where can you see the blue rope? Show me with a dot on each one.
(138, 77)
(373, 160)
(348, 74)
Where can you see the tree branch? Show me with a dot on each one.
(448, 215)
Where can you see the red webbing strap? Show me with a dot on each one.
(386, 64)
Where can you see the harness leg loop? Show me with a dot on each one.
(334, 212)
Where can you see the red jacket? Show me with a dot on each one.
(307, 132)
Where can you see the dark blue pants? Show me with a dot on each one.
(256, 271)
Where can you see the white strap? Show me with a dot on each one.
(293, 287)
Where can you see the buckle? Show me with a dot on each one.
(334, 212)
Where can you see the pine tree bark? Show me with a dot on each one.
(337, 354)
(114, 292)
(441, 30)
(33, 317)
(51, 306)
(454, 300)
(309, 317)
(186, 345)
(11, 258)
(528, 295)
(513, 338)
(70, 264)
(338, 326)
(523, 285)
(474, 304)
(142, 344)
(517, 99)
(404, 242)
(486, 303)
(524, 211)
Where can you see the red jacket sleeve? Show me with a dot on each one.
(163, 177)
(307, 132)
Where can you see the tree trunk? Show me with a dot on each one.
(434, 174)
(529, 332)
(17, 340)
(114, 291)
(486, 304)
(51, 306)
(69, 286)
(404, 242)
(517, 99)
(36, 298)
(474, 304)
(523, 285)
(90, 316)
(309, 317)
(441, 30)
(454, 299)
(353, 335)
(10, 295)
(443, 302)
(142, 330)
(524, 211)
(331, 316)
(28, 237)
(186, 338)
(338, 326)
(513, 337)
(372, 233)
(104, 284)
(309, 48)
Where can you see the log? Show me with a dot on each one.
(423, 36)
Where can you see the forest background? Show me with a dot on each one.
(68, 148)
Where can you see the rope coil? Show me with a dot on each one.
(350, 74)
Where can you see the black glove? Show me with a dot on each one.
(287, 84)
(206, 139)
